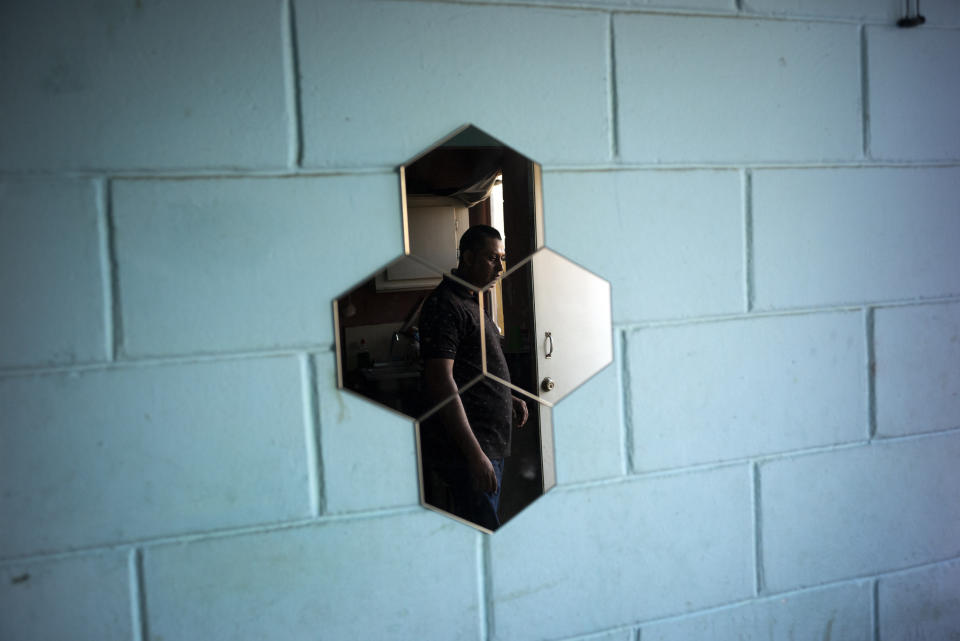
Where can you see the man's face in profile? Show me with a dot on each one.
(482, 266)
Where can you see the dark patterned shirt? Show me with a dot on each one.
(450, 328)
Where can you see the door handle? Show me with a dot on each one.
(548, 344)
(548, 384)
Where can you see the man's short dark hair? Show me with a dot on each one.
(476, 237)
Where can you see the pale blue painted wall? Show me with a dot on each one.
(771, 187)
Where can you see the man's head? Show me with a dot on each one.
(481, 255)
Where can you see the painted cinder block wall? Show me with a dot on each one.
(771, 187)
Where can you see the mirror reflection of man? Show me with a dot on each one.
(464, 445)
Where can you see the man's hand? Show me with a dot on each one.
(520, 412)
(483, 475)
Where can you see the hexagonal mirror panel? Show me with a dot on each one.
(487, 482)
(554, 319)
(466, 180)
(378, 336)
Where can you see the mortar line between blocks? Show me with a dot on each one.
(626, 407)
(138, 602)
(869, 338)
(311, 421)
(767, 598)
(226, 172)
(102, 198)
(875, 610)
(864, 95)
(762, 458)
(158, 361)
(111, 274)
(748, 275)
(195, 536)
(757, 529)
(630, 628)
(484, 586)
(291, 73)
(614, 109)
(832, 308)
(732, 165)
(694, 12)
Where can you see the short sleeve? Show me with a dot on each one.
(440, 328)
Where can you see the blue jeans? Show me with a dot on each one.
(449, 486)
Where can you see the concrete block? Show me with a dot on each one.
(143, 85)
(86, 597)
(593, 558)
(418, 71)
(98, 457)
(710, 392)
(914, 89)
(369, 453)
(917, 351)
(920, 604)
(51, 278)
(841, 612)
(859, 511)
(410, 576)
(748, 90)
(229, 264)
(679, 249)
(846, 236)
(588, 429)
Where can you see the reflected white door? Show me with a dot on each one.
(573, 328)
